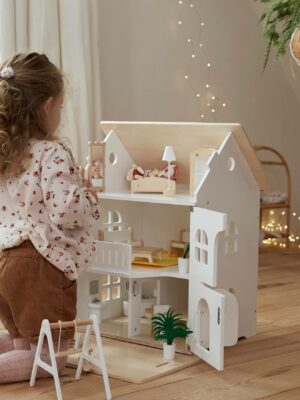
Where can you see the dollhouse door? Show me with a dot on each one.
(205, 229)
(206, 305)
(207, 340)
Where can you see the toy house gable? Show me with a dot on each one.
(117, 161)
(227, 174)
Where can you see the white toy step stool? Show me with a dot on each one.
(84, 355)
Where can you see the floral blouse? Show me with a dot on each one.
(49, 204)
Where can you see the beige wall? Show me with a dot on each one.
(144, 60)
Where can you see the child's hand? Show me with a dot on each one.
(88, 184)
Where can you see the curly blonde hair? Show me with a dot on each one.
(22, 94)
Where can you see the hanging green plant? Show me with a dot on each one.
(280, 20)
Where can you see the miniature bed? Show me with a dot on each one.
(216, 203)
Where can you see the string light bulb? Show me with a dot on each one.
(187, 8)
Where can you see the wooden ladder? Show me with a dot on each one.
(84, 354)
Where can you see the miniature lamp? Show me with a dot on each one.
(169, 156)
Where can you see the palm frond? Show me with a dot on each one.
(169, 326)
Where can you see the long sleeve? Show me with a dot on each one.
(69, 203)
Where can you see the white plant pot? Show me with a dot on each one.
(169, 351)
(183, 265)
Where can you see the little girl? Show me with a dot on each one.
(46, 212)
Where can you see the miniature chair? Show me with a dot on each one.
(147, 252)
(177, 247)
(84, 355)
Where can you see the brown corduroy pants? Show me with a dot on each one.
(32, 289)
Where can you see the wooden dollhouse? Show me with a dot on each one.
(216, 205)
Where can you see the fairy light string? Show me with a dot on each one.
(209, 103)
(275, 227)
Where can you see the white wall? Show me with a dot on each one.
(144, 59)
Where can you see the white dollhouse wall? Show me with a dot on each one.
(232, 189)
(155, 224)
(208, 317)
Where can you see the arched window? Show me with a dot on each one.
(114, 221)
(204, 324)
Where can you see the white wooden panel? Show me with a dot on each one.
(113, 258)
(231, 318)
(134, 307)
(235, 192)
(205, 227)
(208, 344)
(117, 163)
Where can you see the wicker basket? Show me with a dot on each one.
(295, 45)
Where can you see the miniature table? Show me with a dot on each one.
(147, 252)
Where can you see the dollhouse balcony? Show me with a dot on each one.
(116, 259)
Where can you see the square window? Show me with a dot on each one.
(198, 254)
(205, 257)
(105, 294)
(105, 279)
(115, 292)
(116, 279)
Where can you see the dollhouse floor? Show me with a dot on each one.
(117, 329)
(140, 368)
(264, 367)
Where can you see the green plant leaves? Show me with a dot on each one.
(169, 326)
(280, 19)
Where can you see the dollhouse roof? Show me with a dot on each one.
(146, 141)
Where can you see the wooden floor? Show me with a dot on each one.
(266, 366)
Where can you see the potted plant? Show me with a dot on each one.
(281, 20)
(167, 327)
